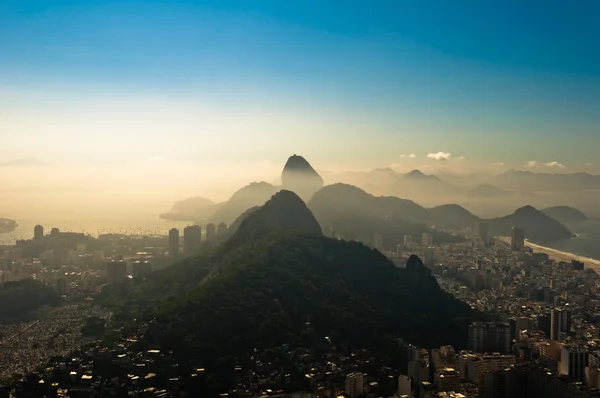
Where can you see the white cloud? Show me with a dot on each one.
(588, 165)
(532, 164)
(460, 158)
(554, 164)
(409, 156)
(439, 156)
(498, 164)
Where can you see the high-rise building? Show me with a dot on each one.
(221, 228)
(140, 268)
(407, 240)
(426, 240)
(378, 242)
(116, 271)
(518, 239)
(38, 235)
(192, 238)
(573, 361)
(173, 242)
(211, 231)
(61, 285)
(482, 231)
(404, 386)
(560, 322)
(355, 385)
(489, 337)
(447, 379)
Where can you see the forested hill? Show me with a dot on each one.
(20, 297)
(262, 290)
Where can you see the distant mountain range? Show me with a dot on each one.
(528, 181)
(565, 214)
(352, 212)
(337, 203)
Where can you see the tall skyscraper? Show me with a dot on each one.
(355, 385)
(211, 231)
(116, 271)
(192, 237)
(38, 235)
(573, 361)
(518, 239)
(426, 240)
(404, 386)
(407, 240)
(378, 242)
(173, 242)
(140, 268)
(560, 322)
(489, 337)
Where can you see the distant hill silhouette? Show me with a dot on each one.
(191, 209)
(538, 226)
(453, 216)
(285, 211)
(355, 214)
(297, 176)
(565, 214)
(345, 199)
(300, 177)
(488, 191)
(529, 181)
(254, 194)
(420, 176)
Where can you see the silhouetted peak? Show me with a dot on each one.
(386, 171)
(299, 176)
(341, 188)
(419, 175)
(285, 211)
(297, 163)
(416, 174)
(527, 210)
(565, 214)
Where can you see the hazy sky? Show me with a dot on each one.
(190, 86)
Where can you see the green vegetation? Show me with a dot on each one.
(7, 225)
(94, 327)
(277, 271)
(20, 297)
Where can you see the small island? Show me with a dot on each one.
(7, 225)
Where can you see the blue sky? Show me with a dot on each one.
(346, 83)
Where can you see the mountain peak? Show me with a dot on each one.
(527, 209)
(565, 214)
(419, 175)
(300, 177)
(285, 211)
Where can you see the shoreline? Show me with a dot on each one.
(559, 255)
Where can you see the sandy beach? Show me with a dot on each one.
(564, 256)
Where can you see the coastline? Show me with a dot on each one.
(565, 256)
